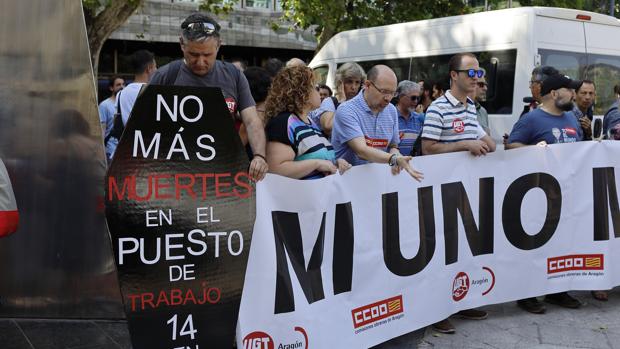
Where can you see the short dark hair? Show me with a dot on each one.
(542, 73)
(198, 17)
(586, 82)
(323, 86)
(140, 61)
(455, 61)
(259, 81)
(273, 66)
(113, 79)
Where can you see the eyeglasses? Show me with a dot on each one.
(482, 84)
(206, 28)
(472, 72)
(415, 98)
(384, 92)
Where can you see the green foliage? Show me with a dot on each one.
(328, 17)
(218, 7)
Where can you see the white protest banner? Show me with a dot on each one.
(351, 261)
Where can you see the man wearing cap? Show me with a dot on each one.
(200, 42)
(550, 123)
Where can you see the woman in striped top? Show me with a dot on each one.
(296, 147)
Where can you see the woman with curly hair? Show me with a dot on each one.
(296, 147)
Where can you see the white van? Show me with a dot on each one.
(509, 44)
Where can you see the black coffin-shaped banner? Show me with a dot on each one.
(180, 209)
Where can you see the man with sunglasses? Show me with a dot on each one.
(366, 126)
(451, 125)
(479, 96)
(409, 122)
(200, 42)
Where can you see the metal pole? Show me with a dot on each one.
(612, 7)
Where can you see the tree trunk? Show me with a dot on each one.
(100, 25)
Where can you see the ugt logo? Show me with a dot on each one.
(258, 340)
(460, 286)
(458, 125)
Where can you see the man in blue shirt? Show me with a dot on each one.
(550, 123)
(409, 122)
(107, 108)
(366, 126)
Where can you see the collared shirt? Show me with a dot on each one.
(354, 119)
(409, 130)
(449, 120)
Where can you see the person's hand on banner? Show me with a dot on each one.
(343, 165)
(478, 147)
(258, 167)
(403, 162)
(542, 144)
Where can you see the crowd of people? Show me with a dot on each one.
(297, 128)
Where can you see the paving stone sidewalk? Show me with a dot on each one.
(596, 325)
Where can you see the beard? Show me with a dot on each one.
(565, 106)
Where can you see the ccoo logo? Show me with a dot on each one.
(258, 340)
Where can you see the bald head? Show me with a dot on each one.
(380, 87)
(295, 62)
(381, 72)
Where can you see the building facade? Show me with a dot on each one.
(246, 34)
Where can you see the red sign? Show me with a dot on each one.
(376, 142)
(575, 262)
(458, 125)
(377, 311)
(258, 340)
(460, 286)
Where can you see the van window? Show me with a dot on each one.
(568, 63)
(604, 70)
(500, 75)
(320, 74)
(499, 66)
(399, 66)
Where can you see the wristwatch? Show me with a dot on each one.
(392, 160)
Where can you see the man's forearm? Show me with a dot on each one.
(374, 155)
(515, 145)
(256, 135)
(440, 148)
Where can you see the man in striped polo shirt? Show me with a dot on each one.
(366, 126)
(451, 125)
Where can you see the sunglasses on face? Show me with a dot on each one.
(201, 27)
(472, 72)
(482, 84)
(415, 98)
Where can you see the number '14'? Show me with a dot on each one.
(186, 330)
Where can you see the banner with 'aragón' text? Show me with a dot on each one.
(356, 259)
